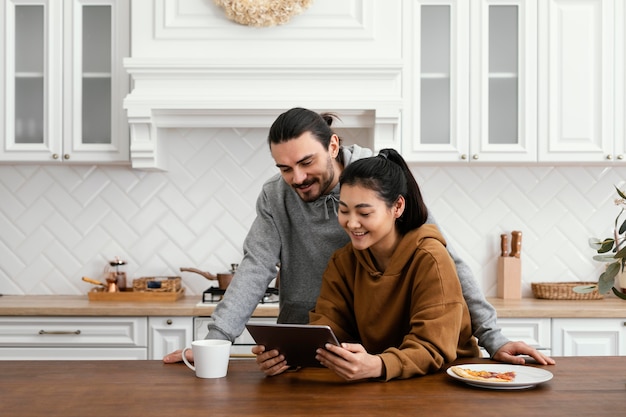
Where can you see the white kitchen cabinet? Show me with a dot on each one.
(167, 334)
(536, 332)
(63, 80)
(588, 337)
(533, 331)
(73, 338)
(473, 81)
(243, 344)
(581, 87)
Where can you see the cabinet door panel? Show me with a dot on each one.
(167, 334)
(576, 106)
(503, 116)
(96, 41)
(589, 337)
(30, 91)
(440, 81)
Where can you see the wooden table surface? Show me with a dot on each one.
(582, 386)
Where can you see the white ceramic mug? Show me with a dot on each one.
(210, 357)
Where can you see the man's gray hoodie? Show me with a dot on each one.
(301, 237)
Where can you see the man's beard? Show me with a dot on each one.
(325, 183)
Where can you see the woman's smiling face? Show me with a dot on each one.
(366, 218)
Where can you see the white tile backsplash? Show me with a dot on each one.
(61, 222)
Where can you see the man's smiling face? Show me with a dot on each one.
(306, 165)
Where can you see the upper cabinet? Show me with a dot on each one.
(63, 80)
(516, 81)
(581, 88)
(474, 75)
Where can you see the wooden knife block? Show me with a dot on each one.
(509, 277)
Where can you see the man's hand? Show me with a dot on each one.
(271, 363)
(510, 351)
(350, 361)
(177, 356)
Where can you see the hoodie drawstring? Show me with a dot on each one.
(333, 199)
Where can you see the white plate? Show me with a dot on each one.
(525, 376)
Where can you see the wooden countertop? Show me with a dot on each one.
(610, 307)
(581, 386)
(76, 305)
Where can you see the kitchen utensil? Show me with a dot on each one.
(94, 282)
(223, 278)
(112, 284)
(509, 268)
(119, 276)
(504, 244)
(516, 243)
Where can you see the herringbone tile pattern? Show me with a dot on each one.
(61, 222)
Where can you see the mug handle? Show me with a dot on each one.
(189, 365)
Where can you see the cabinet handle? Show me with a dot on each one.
(475, 156)
(609, 157)
(59, 332)
(66, 156)
(55, 156)
(464, 157)
(169, 321)
(620, 157)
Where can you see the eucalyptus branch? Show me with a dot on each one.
(616, 264)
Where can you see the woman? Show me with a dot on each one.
(391, 295)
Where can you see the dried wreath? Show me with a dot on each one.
(262, 12)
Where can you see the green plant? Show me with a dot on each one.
(611, 250)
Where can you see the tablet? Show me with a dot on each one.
(297, 342)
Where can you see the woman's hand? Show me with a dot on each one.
(177, 356)
(350, 361)
(271, 363)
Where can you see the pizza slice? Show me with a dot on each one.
(487, 376)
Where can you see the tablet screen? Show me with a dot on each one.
(297, 342)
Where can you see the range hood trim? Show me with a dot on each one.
(202, 94)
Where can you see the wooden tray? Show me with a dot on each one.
(154, 296)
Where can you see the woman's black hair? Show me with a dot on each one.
(294, 122)
(390, 177)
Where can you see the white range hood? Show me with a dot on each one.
(191, 67)
(203, 94)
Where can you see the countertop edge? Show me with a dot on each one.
(70, 305)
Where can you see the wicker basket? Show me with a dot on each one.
(157, 284)
(563, 291)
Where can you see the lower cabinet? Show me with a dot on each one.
(167, 334)
(73, 338)
(535, 332)
(116, 338)
(569, 336)
(589, 337)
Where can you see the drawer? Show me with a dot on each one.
(72, 353)
(74, 331)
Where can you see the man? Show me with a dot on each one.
(296, 226)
